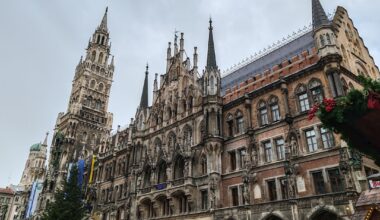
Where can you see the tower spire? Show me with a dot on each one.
(211, 60)
(45, 141)
(144, 95)
(319, 16)
(103, 24)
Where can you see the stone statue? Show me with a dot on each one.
(294, 146)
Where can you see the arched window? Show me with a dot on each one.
(322, 39)
(263, 113)
(203, 165)
(100, 87)
(179, 167)
(103, 40)
(93, 56)
(161, 177)
(316, 90)
(239, 122)
(147, 175)
(303, 98)
(100, 59)
(230, 125)
(274, 108)
(98, 105)
(92, 84)
(97, 39)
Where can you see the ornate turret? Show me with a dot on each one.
(325, 41)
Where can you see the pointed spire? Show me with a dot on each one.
(103, 24)
(319, 16)
(45, 141)
(211, 60)
(144, 95)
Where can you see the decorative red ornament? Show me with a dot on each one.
(312, 111)
(373, 101)
(329, 104)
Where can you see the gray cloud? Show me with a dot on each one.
(42, 41)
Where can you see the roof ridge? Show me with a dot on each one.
(276, 45)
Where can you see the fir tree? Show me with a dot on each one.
(67, 203)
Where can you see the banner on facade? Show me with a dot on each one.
(33, 198)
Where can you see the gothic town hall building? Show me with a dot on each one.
(210, 147)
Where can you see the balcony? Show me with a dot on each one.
(146, 190)
(178, 182)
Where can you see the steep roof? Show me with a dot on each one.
(285, 52)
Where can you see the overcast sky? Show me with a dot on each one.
(42, 41)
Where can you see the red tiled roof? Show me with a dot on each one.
(6, 190)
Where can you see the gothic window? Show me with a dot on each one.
(179, 167)
(328, 39)
(336, 180)
(98, 105)
(182, 203)
(303, 98)
(232, 155)
(322, 40)
(280, 148)
(327, 138)
(162, 172)
(102, 40)
(274, 109)
(311, 140)
(97, 39)
(204, 165)
(235, 196)
(268, 151)
(272, 191)
(263, 113)
(147, 175)
(316, 90)
(92, 84)
(230, 125)
(204, 199)
(100, 59)
(93, 56)
(100, 87)
(84, 136)
(239, 123)
(319, 183)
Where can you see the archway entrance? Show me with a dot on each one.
(272, 217)
(324, 215)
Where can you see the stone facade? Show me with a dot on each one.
(237, 147)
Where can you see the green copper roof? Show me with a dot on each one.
(35, 147)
